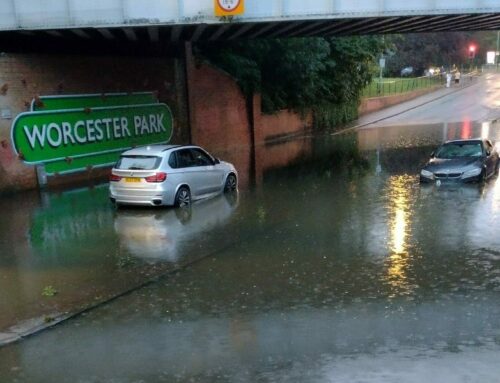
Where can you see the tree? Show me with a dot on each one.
(425, 50)
(298, 73)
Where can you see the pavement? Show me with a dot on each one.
(383, 115)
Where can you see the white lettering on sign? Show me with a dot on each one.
(88, 131)
(149, 124)
(125, 127)
(107, 122)
(100, 133)
(34, 135)
(159, 120)
(54, 135)
(116, 127)
(144, 125)
(80, 139)
(67, 135)
(152, 122)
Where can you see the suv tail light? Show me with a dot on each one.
(158, 177)
(114, 178)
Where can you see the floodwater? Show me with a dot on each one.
(336, 267)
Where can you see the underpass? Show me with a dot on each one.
(337, 266)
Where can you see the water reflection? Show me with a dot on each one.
(70, 219)
(495, 205)
(405, 136)
(485, 130)
(466, 130)
(159, 234)
(399, 206)
(398, 190)
(472, 129)
(324, 261)
(75, 240)
(124, 344)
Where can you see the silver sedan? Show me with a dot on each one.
(171, 175)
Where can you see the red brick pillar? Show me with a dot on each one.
(190, 68)
(258, 139)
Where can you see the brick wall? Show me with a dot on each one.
(219, 117)
(223, 123)
(24, 76)
(284, 123)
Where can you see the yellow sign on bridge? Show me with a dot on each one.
(229, 7)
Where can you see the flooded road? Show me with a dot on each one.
(336, 267)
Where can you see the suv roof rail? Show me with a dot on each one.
(172, 147)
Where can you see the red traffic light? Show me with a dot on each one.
(472, 51)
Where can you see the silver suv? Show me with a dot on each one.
(172, 175)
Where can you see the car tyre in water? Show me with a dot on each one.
(183, 197)
(231, 183)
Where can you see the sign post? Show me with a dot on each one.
(496, 53)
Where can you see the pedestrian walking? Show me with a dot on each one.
(457, 77)
(448, 79)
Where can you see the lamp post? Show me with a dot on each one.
(381, 63)
(496, 52)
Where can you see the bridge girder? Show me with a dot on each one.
(160, 36)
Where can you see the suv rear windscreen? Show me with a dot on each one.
(138, 163)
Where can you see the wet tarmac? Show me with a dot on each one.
(338, 266)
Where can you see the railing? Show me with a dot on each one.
(490, 68)
(391, 86)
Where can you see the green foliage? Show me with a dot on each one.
(425, 50)
(125, 261)
(329, 116)
(261, 214)
(299, 73)
(49, 291)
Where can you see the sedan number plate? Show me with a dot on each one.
(132, 179)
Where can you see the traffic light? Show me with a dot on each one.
(472, 51)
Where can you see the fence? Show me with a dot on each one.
(390, 86)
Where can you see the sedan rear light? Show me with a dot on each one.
(114, 178)
(158, 177)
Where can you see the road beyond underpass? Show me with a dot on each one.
(475, 100)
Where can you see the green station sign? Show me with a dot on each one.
(71, 133)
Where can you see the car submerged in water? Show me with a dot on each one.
(472, 160)
(171, 175)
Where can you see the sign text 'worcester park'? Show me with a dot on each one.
(90, 130)
(46, 136)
